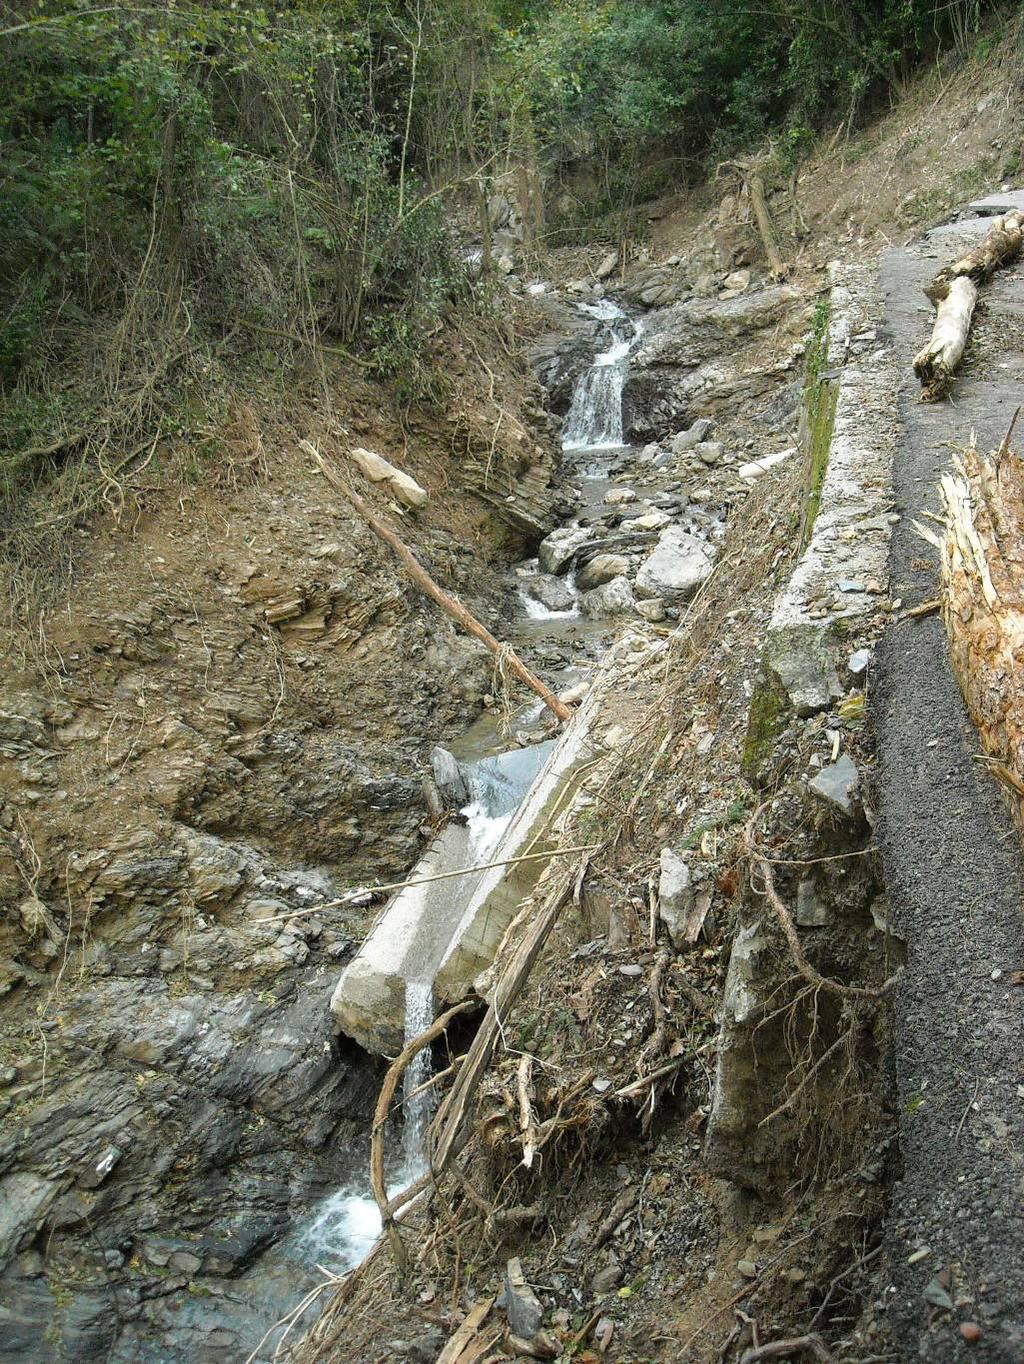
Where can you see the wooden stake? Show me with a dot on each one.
(507, 658)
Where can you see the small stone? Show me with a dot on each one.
(606, 1279)
(675, 896)
(737, 281)
(748, 1269)
(850, 585)
(601, 1085)
(858, 662)
(615, 497)
(709, 452)
(632, 970)
(185, 1262)
(810, 912)
(970, 1331)
(653, 610)
(795, 1275)
(920, 1254)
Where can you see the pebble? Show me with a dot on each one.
(921, 1253)
(630, 971)
(970, 1330)
(747, 1268)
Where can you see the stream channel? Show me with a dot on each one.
(494, 781)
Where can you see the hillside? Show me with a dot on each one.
(730, 1067)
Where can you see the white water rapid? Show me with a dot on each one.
(594, 420)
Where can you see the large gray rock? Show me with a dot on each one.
(551, 591)
(675, 896)
(692, 436)
(602, 568)
(677, 567)
(557, 550)
(611, 599)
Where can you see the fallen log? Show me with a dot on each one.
(1000, 245)
(936, 363)
(505, 654)
(982, 561)
(954, 291)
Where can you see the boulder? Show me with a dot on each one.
(553, 592)
(675, 896)
(557, 550)
(615, 497)
(601, 569)
(614, 598)
(692, 436)
(677, 567)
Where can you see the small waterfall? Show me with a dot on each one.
(594, 420)
(417, 1107)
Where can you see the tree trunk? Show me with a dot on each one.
(936, 363)
(765, 227)
(982, 553)
(1000, 245)
(507, 658)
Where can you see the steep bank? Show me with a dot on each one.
(225, 719)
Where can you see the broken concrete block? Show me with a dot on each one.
(799, 658)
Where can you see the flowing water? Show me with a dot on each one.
(594, 420)
(347, 1224)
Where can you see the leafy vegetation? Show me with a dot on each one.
(188, 187)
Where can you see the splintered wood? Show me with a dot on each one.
(954, 291)
(982, 558)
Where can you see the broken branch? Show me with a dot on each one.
(505, 654)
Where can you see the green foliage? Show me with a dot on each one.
(634, 85)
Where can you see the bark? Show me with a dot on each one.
(1000, 245)
(939, 359)
(765, 227)
(506, 656)
(982, 555)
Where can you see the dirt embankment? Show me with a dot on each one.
(221, 720)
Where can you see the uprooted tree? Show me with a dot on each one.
(982, 561)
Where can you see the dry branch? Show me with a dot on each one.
(982, 560)
(506, 656)
(380, 1117)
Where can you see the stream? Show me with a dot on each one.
(495, 780)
